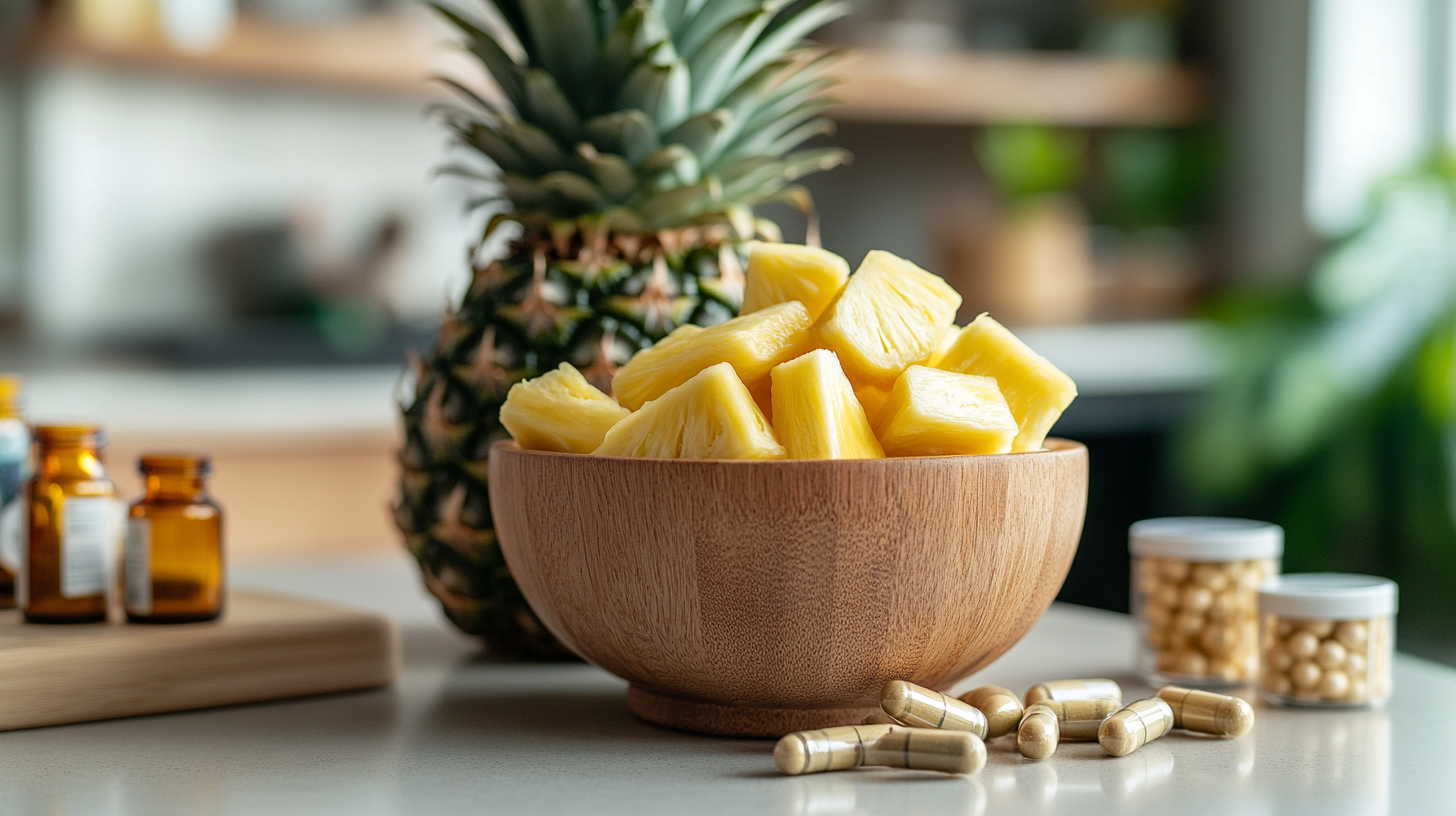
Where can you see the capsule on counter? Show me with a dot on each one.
(1078, 720)
(1038, 734)
(1065, 690)
(1206, 712)
(1002, 708)
(853, 746)
(919, 706)
(1136, 725)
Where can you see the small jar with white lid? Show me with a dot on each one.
(1194, 597)
(1327, 639)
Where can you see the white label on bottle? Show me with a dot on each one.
(88, 534)
(12, 534)
(137, 579)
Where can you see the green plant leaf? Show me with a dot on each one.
(712, 65)
(627, 133)
(785, 33)
(699, 133)
(638, 32)
(534, 144)
(550, 108)
(504, 70)
(660, 91)
(565, 36)
(576, 189)
(673, 160)
(610, 171)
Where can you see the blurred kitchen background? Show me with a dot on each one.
(1229, 220)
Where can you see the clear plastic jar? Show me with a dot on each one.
(1327, 640)
(1194, 597)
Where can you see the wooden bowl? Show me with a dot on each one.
(760, 598)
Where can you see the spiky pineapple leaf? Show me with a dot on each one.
(786, 32)
(610, 171)
(550, 107)
(504, 70)
(627, 133)
(565, 35)
(663, 92)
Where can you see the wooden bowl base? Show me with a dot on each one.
(737, 721)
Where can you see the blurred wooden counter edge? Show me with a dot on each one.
(264, 647)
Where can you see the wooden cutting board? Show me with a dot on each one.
(265, 647)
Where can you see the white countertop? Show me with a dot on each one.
(459, 734)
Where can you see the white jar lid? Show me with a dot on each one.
(1328, 596)
(1199, 538)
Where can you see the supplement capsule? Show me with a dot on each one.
(1038, 733)
(918, 706)
(880, 718)
(1206, 712)
(1141, 722)
(1064, 690)
(1078, 720)
(1002, 709)
(827, 749)
(924, 749)
(852, 746)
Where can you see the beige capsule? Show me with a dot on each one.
(920, 706)
(1039, 732)
(1136, 725)
(1206, 712)
(826, 749)
(925, 749)
(1334, 685)
(1077, 720)
(1064, 690)
(1002, 708)
(1304, 674)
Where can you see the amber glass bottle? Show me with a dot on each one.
(73, 530)
(174, 567)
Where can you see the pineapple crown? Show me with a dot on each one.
(640, 116)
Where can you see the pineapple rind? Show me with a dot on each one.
(939, 413)
(815, 411)
(752, 344)
(892, 314)
(711, 416)
(559, 411)
(1037, 391)
(778, 273)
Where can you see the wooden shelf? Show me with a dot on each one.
(395, 54)
(966, 88)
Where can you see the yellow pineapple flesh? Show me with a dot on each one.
(892, 314)
(939, 413)
(559, 411)
(779, 273)
(1037, 391)
(815, 411)
(711, 416)
(752, 344)
(872, 398)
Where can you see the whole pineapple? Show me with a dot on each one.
(633, 141)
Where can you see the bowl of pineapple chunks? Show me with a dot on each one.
(771, 517)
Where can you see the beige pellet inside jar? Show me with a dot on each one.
(1320, 660)
(1202, 616)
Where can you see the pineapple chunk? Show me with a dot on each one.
(1037, 391)
(559, 411)
(891, 314)
(711, 416)
(816, 413)
(779, 273)
(934, 413)
(753, 344)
